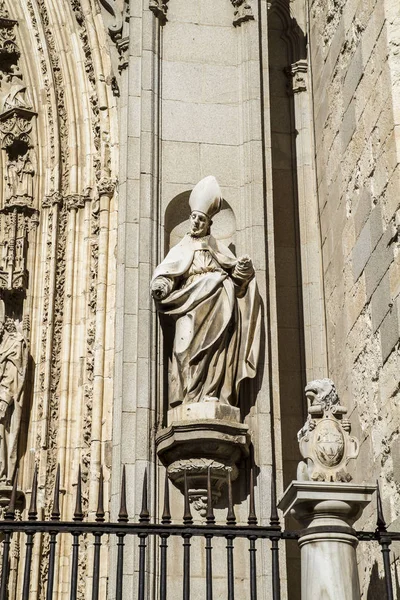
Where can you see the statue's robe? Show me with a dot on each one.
(13, 364)
(218, 319)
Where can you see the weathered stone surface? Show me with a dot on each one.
(355, 62)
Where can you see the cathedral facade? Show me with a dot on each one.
(111, 112)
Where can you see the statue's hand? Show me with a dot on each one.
(160, 288)
(244, 269)
(245, 263)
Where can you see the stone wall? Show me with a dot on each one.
(355, 70)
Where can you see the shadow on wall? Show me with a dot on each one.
(286, 46)
(377, 584)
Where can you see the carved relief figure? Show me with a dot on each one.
(214, 300)
(13, 365)
(19, 178)
(18, 96)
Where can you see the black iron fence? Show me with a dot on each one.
(162, 531)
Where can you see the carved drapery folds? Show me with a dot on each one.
(212, 297)
(13, 365)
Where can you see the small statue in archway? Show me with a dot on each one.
(214, 300)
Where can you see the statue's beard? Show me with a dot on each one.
(199, 234)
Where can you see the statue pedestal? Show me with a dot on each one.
(198, 438)
(204, 411)
(328, 544)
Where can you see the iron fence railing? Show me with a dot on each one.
(162, 531)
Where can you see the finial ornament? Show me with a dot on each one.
(325, 441)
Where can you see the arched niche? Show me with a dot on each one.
(176, 222)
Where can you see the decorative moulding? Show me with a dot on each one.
(195, 446)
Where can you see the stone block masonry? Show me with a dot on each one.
(355, 67)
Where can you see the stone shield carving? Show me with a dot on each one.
(325, 441)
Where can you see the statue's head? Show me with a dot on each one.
(322, 391)
(205, 202)
(9, 325)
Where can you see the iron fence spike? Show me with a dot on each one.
(78, 514)
(166, 515)
(230, 517)
(144, 516)
(123, 513)
(100, 499)
(55, 513)
(32, 511)
(187, 515)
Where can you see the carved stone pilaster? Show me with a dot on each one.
(297, 74)
(243, 12)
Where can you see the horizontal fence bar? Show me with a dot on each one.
(240, 531)
(137, 528)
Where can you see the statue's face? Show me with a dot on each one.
(199, 224)
(9, 326)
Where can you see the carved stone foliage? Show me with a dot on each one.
(9, 51)
(325, 440)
